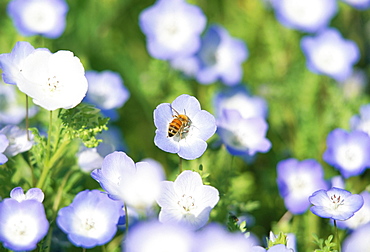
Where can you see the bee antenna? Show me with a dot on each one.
(174, 110)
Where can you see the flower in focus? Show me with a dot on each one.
(182, 127)
(11, 63)
(137, 185)
(172, 28)
(155, 236)
(186, 201)
(23, 222)
(305, 15)
(53, 80)
(214, 238)
(348, 152)
(243, 136)
(329, 54)
(220, 57)
(4, 143)
(32, 194)
(106, 92)
(91, 219)
(335, 203)
(18, 141)
(297, 181)
(362, 121)
(39, 17)
(358, 4)
(358, 240)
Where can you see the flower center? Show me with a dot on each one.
(53, 84)
(89, 224)
(187, 203)
(337, 201)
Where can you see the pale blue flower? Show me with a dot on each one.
(18, 140)
(32, 194)
(4, 143)
(358, 240)
(11, 111)
(358, 4)
(362, 121)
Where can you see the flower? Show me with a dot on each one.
(297, 180)
(172, 28)
(220, 57)
(305, 15)
(53, 80)
(362, 121)
(193, 127)
(89, 159)
(32, 194)
(44, 17)
(358, 240)
(358, 4)
(23, 222)
(18, 141)
(11, 63)
(329, 54)
(354, 86)
(11, 111)
(186, 201)
(137, 185)
(335, 203)
(106, 91)
(91, 219)
(4, 143)
(243, 136)
(155, 236)
(348, 151)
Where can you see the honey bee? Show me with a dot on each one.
(179, 126)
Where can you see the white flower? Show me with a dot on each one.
(18, 141)
(53, 80)
(187, 201)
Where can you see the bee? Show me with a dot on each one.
(179, 126)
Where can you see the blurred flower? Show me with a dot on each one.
(297, 180)
(106, 91)
(11, 112)
(348, 152)
(186, 201)
(215, 238)
(4, 143)
(89, 159)
(11, 63)
(137, 185)
(172, 28)
(53, 80)
(18, 141)
(112, 140)
(361, 217)
(182, 127)
(358, 4)
(329, 54)
(362, 121)
(335, 203)
(237, 98)
(290, 242)
(23, 223)
(243, 136)
(91, 219)
(354, 85)
(44, 17)
(155, 236)
(305, 15)
(32, 194)
(220, 57)
(337, 181)
(358, 240)
(188, 65)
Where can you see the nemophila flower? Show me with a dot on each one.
(53, 80)
(89, 159)
(22, 223)
(358, 4)
(4, 143)
(361, 217)
(182, 127)
(11, 111)
(215, 238)
(18, 141)
(297, 180)
(39, 17)
(186, 201)
(106, 92)
(220, 57)
(329, 54)
(305, 15)
(243, 136)
(155, 236)
(172, 28)
(188, 65)
(362, 121)
(335, 203)
(238, 98)
(91, 219)
(358, 240)
(348, 151)
(137, 185)
(32, 194)
(11, 63)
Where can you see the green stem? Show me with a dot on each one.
(337, 236)
(180, 165)
(126, 220)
